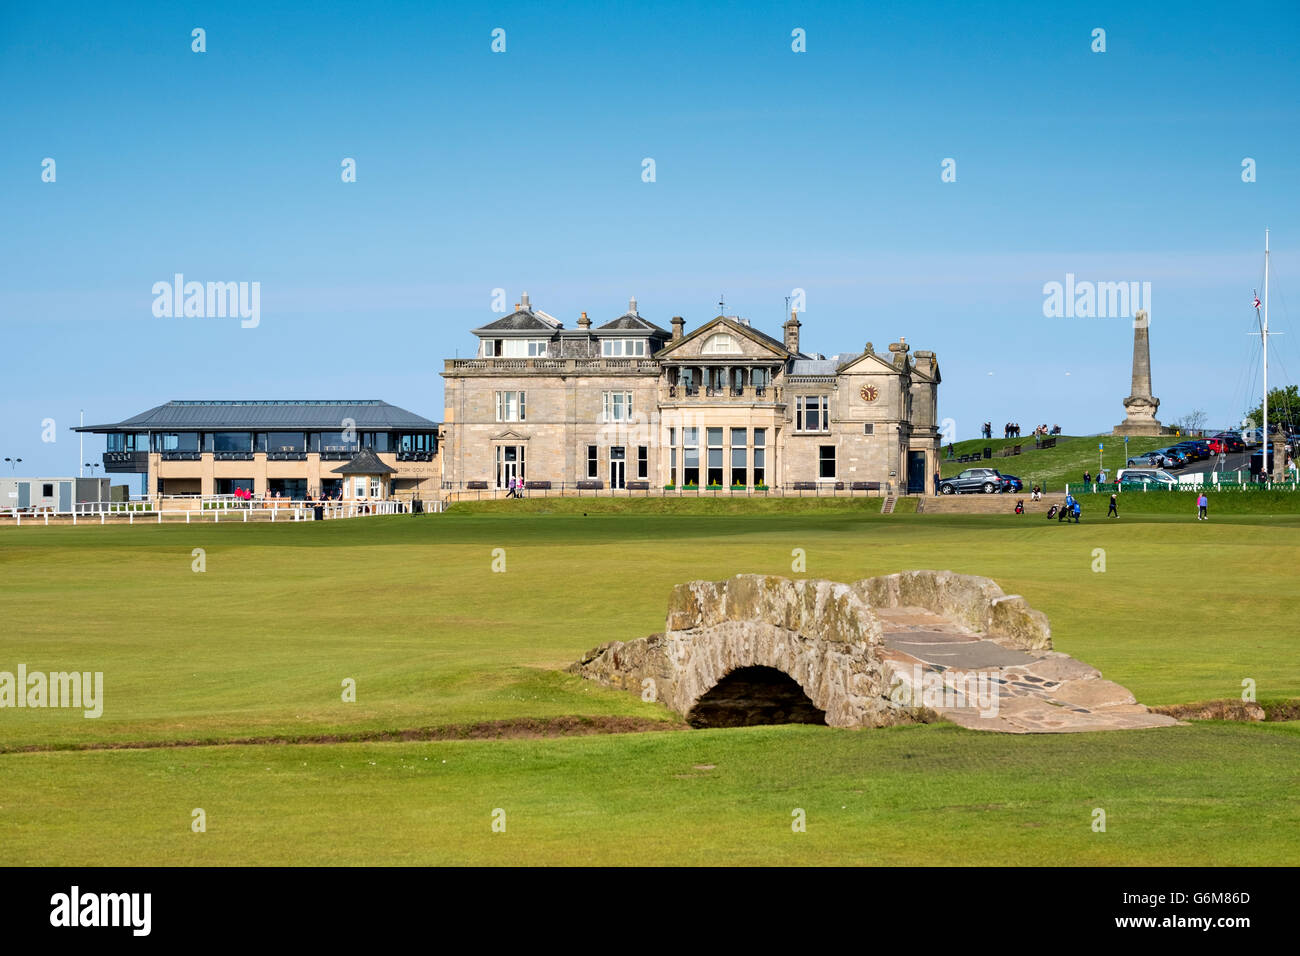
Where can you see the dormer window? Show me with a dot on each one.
(513, 348)
(623, 348)
(720, 343)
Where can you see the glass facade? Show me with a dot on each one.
(714, 436)
(232, 441)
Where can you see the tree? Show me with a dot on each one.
(1193, 421)
(1283, 408)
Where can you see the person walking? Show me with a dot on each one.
(1202, 508)
(1114, 507)
(936, 484)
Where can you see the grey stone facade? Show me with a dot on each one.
(629, 401)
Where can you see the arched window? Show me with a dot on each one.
(720, 343)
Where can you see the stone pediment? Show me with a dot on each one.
(871, 363)
(747, 343)
(510, 435)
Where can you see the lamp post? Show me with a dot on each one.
(13, 462)
(92, 468)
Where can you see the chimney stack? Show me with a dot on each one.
(584, 322)
(792, 333)
(631, 306)
(678, 325)
(523, 303)
(899, 349)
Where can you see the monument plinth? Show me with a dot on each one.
(1141, 406)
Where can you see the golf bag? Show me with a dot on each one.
(1051, 512)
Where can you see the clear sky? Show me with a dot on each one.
(522, 170)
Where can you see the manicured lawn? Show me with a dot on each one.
(410, 607)
(1210, 794)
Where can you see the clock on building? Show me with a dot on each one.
(869, 393)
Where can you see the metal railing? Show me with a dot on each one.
(640, 488)
(217, 508)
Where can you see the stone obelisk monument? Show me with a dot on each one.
(1141, 405)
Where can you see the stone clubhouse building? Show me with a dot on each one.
(629, 404)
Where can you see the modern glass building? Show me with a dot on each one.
(289, 447)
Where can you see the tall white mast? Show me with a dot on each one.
(1263, 461)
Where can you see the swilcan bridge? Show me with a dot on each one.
(761, 649)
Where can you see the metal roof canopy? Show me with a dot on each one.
(273, 414)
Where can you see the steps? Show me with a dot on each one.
(887, 506)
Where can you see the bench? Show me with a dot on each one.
(590, 485)
(865, 486)
(1046, 443)
(476, 485)
(537, 485)
(638, 486)
(804, 486)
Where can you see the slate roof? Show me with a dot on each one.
(522, 321)
(365, 463)
(267, 415)
(630, 322)
(814, 366)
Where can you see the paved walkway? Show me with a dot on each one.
(1006, 691)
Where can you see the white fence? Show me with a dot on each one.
(214, 509)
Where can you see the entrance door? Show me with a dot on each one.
(507, 465)
(617, 466)
(916, 473)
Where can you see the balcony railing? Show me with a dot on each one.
(693, 393)
(647, 366)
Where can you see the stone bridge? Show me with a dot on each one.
(760, 649)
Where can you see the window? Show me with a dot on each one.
(285, 441)
(377, 441)
(415, 441)
(672, 456)
(811, 413)
(338, 441)
(593, 462)
(513, 348)
(738, 457)
(47, 490)
(642, 462)
(176, 441)
(359, 487)
(232, 441)
(715, 455)
(510, 465)
(826, 456)
(720, 343)
(760, 456)
(618, 406)
(510, 406)
(623, 348)
(691, 456)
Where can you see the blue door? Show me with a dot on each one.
(24, 494)
(65, 496)
(916, 472)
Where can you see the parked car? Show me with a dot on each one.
(985, 480)
(1138, 477)
(1177, 455)
(1150, 459)
(1011, 483)
(1197, 449)
(1226, 443)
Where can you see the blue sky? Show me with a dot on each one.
(775, 170)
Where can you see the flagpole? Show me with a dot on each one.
(1263, 461)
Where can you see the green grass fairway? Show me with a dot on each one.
(410, 608)
(1210, 794)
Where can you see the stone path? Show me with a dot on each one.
(1004, 690)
